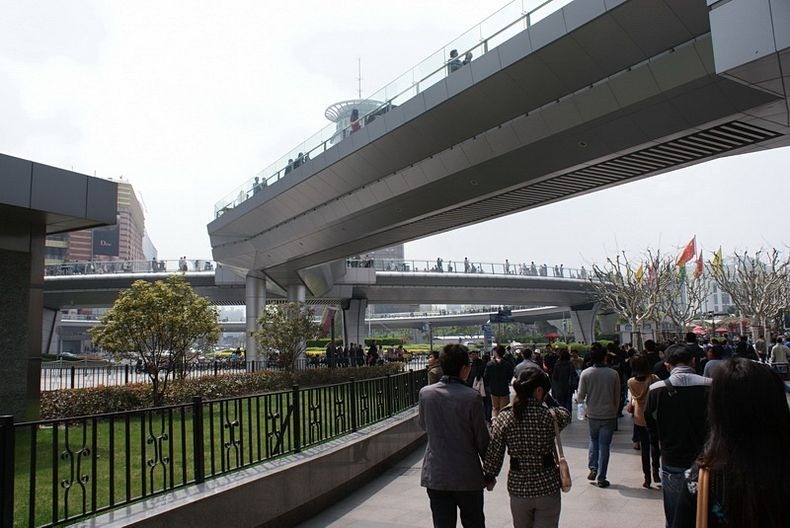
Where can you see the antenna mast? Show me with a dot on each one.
(359, 77)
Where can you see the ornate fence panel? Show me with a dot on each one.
(54, 472)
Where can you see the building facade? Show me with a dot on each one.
(122, 241)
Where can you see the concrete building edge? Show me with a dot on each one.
(230, 502)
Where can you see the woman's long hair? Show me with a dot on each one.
(525, 386)
(747, 442)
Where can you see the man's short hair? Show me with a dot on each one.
(677, 354)
(650, 345)
(434, 354)
(526, 353)
(500, 351)
(597, 354)
(453, 358)
(691, 337)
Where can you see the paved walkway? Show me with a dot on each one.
(395, 499)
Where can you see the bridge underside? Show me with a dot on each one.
(562, 109)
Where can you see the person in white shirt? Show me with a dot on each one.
(779, 351)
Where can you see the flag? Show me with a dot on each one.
(640, 271)
(716, 263)
(327, 318)
(651, 273)
(682, 270)
(699, 267)
(688, 252)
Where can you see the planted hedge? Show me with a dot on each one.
(66, 403)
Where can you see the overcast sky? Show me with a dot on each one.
(187, 100)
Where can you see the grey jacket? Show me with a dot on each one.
(452, 415)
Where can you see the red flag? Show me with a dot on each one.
(327, 318)
(688, 252)
(699, 267)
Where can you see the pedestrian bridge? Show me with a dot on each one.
(95, 284)
(561, 99)
(563, 290)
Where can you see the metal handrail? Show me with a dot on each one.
(380, 265)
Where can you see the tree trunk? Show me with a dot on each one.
(636, 338)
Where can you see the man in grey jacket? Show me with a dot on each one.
(452, 415)
(599, 385)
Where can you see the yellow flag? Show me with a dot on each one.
(639, 272)
(716, 263)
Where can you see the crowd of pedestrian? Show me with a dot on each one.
(708, 419)
(337, 354)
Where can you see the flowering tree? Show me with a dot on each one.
(284, 328)
(632, 293)
(158, 322)
(758, 284)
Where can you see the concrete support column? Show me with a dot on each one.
(354, 330)
(21, 317)
(608, 323)
(255, 302)
(298, 293)
(583, 320)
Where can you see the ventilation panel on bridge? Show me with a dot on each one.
(693, 147)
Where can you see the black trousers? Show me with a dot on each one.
(649, 449)
(445, 506)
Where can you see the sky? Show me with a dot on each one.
(187, 100)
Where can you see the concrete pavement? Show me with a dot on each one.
(396, 500)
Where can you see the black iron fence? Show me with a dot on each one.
(63, 376)
(54, 472)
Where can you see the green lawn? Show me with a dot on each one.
(99, 463)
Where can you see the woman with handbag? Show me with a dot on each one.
(528, 429)
(741, 477)
(639, 387)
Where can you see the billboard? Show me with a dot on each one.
(105, 241)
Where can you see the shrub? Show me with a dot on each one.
(94, 400)
(67, 403)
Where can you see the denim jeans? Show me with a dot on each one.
(601, 432)
(673, 478)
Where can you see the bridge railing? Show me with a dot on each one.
(56, 472)
(95, 267)
(397, 265)
(450, 312)
(477, 41)
(471, 267)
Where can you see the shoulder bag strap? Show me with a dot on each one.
(703, 494)
(557, 434)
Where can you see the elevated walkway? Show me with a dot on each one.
(98, 284)
(595, 94)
